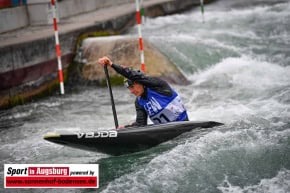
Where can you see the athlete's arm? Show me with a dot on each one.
(154, 83)
(134, 75)
(141, 116)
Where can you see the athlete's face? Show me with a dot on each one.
(136, 89)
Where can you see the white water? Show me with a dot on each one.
(238, 62)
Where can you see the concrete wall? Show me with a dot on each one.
(13, 18)
(38, 12)
(69, 8)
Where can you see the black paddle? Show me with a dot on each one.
(111, 95)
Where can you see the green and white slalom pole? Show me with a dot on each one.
(202, 10)
(142, 12)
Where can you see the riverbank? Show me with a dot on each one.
(28, 62)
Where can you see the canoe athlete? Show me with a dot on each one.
(154, 97)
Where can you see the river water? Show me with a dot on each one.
(237, 58)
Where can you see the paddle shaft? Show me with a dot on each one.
(111, 95)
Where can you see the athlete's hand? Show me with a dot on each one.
(105, 61)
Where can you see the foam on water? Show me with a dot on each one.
(245, 87)
(198, 165)
(279, 184)
(244, 73)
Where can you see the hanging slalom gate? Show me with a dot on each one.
(138, 17)
(57, 48)
(202, 10)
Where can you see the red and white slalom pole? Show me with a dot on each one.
(57, 47)
(138, 16)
